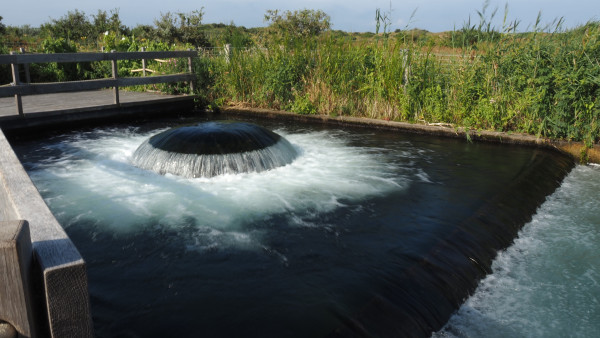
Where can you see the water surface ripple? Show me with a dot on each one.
(365, 233)
(547, 284)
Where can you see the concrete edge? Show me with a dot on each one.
(576, 150)
(64, 277)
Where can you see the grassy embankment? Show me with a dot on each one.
(544, 83)
(541, 83)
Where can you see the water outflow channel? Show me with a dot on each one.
(365, 232)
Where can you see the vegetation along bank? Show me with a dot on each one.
(544, 83)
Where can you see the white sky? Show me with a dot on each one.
(347, 15)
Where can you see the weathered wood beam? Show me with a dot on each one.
(72, 86)
(89, 57)
(15, 277)
(17, 81)
(56, 87)
(144, 70)
(115, 75)
(191, 70)
(136, 81)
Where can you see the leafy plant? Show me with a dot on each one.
(289, 27)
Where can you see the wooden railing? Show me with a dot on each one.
(19, 88)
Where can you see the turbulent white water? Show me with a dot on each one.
(548, 283)
(190, 151)
(91, 178)
(545, 285)
(208, 165)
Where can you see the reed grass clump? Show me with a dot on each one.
(546, 82)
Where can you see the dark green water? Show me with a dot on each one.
(365, 233)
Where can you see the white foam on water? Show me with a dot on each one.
(93, 180)
(547, 284)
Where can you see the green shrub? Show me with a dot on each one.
(303, 105)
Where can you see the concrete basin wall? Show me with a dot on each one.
(58, 270)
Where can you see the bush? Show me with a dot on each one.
(303, 105)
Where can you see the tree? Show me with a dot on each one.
(303, 24)
(5, 74)
(2, 26)
(237, 37)
(166, 28)
(190, 26)
(72, 26)
(144, 32)
(183, 27)
(102, 22)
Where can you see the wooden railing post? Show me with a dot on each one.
(227, 50)
(406, 66)
(191, 70)
(143, 63)
(115, 75)
(26, 66)
(15, 277)
(16, 82)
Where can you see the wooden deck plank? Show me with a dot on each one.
(74, 100)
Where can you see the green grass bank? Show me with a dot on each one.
(545, 84)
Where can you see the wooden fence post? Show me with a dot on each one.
(406, 66)
(143, 63)
(227, 52)
(15, 277)
(191, 70)
(115, 75)
(16, 82)
(26, 65)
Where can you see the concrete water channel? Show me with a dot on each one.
(44, 290)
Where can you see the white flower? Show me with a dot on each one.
(106, 33)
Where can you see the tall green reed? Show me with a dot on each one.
(545, 83)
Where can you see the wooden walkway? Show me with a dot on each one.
(24, 104)
(77, 101)
(66, 107)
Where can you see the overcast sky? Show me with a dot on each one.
(347, 15)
